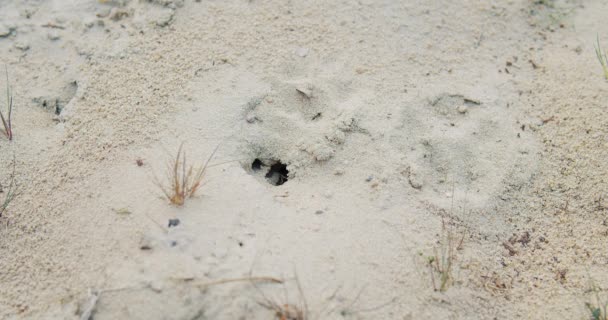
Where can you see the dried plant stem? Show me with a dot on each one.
(443, 259)
(283, 310)
(10, 193)
(602, 57)
(183, 180)
(7, 121)
(249, 279)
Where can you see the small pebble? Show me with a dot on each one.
(370, 178)
(146, 243)
(173, 222)
(305, 89)
(53, 35)
(156, 286)
(103, 13)
(462, 109)
(251, 118)
(4, 31)
(117, 14)
(319, 212)
(165, 18)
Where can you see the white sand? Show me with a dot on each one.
(391, 116)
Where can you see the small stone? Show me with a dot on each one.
(251, 118)
(305, 89)
(4, 31)
(53, 35)
(156, 286)
(328, 194)
(302, 52)
(323, 153)
(339, 172)
(370, 178)
(117, 14)
(462, 109)
(173, 222)
(165, 17)
(103, 13)
(146, 243)
(319, 212)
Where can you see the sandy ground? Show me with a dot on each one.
(398, 122)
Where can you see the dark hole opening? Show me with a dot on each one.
(277, 175)
(256, 165)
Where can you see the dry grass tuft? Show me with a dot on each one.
(599, 308)
(602, 57)
(7, 120)
(441, 263)
(183, 180)
(287, 312)
(282, 308)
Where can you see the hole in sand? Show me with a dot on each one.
(277, 173)
(256, 165)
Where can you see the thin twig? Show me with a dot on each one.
(6, 121)
(11, 191)
(302, 295)
(251, 279)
